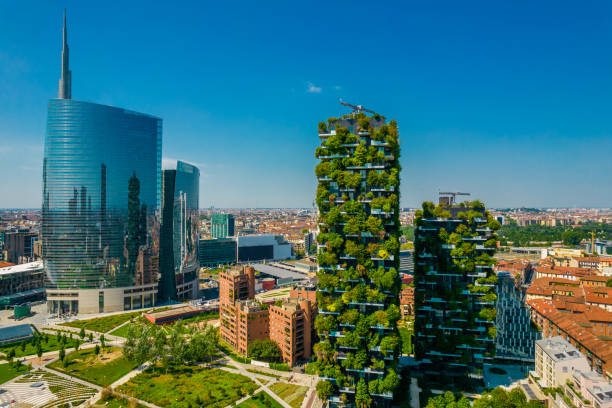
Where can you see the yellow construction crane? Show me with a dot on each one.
(593, 242)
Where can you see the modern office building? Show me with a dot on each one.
(222, 226)
(516, 335)
(455, 297)
(19, 246)
(358, 258)
(217, 251)
(21, 283)
(101, 200)
(263, 247)
(179, 242)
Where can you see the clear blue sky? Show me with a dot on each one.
(511, 101)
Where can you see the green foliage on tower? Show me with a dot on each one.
(358, 257)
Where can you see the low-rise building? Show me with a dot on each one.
(21, 283)
(406, 298)
(555, 358)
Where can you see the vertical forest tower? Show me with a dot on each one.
(455, 293)
(358, 256)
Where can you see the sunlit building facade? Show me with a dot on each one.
(100, 210)
(179, 233)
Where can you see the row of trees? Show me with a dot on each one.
(171, 345)
(571, 236)
(265, 350)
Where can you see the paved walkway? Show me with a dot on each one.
(252, 376)
(414, 393)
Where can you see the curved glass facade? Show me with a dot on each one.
(179, 232)
(101, 196)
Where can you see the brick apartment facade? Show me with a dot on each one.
(244, 320)
(406, 298)
(291, 328)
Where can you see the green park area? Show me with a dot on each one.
(102, 369)
(123, 330)
(43, 343)
(111, 400)
(102, 324)
(260, 400)
(290, 393)
(406, 337)
(9, 371)
(186, 386)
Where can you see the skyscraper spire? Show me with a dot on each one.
(65, 82)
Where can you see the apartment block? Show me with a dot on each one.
(555, 358)
(455, 300)
(291, 328)
(237, 285)
(406, 298)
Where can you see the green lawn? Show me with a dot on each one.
(114, 402)
(102, 324)
(290, 393)
(8, 373)
(51, 345)
(406, 338)
(188, 386)
(260, 400)
(103, 369)
(123, 330)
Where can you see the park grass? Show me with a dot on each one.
(123, 330)
(252, 370)
(102, 324)
(187, 386)
(103, 369)
(406, 338)
(52, 344)
(260, 400)
(7, 372)
(290, 393)
(114, 401)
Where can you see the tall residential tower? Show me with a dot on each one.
(358, 257)
(101, 199)
(455, 293)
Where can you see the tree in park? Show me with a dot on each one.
(82, 333)
(265, 350)
(102, 341)
(39, 351)
(62, 355)
(90, 336)
(23, 346)
(97, 349)
(571, 238)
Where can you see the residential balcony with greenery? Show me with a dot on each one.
(358, 259)
(455, 293)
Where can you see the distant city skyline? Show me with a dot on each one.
(508, 102)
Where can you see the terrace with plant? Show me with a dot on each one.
(455, 297)
(358, 257)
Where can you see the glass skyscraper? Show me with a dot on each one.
(179, 233)
(101, 200)
(222, 225)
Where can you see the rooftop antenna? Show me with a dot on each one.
(356, 108)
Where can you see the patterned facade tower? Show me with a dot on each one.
(455, 293)
(358, 257)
